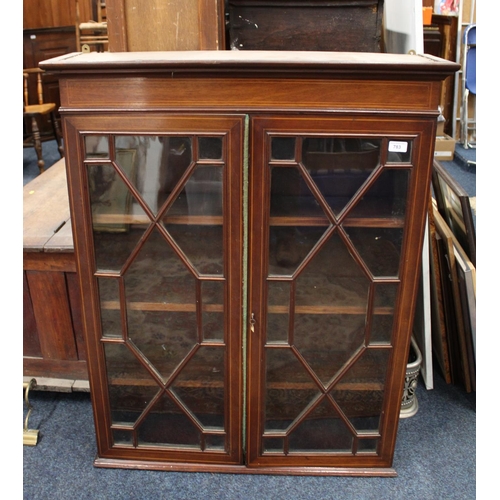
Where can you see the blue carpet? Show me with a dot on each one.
(30, 167)
(434, 459)
(463, 168)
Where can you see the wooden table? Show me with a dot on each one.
(53, 344)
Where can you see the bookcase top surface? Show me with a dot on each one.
(255, 61)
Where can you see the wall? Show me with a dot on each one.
(48, 13)
(403, 26)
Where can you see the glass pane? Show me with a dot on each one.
(204, 191)
(383, 314)
(367, 445)
(215, 442)
(210, 148)
(283, 148)
(153, 164)
(289, 388)
(366, 423)
(321, 430)
(289, 246)
(166, 423)
(175, 159)
(161, 294)
(202, 245)
(212, 297)
(399, 151)
(158, 275)
(291, 196)
(274, 444)
(380, 248)
(202, 195)
(165, 339)
(110, 307)
(116, 230)
(130, 385)
(360, 392)
(278, 318)
(200, 386)
(112, 249)
(200, 206)
(328, 341)
(96, 146)
(381, 328)
(332, 281)
(277, 327)
(386, 197)
(123, 437)
(340, 166)
(110, 199)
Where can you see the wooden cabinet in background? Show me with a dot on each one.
(48, 31)
(39, 45)
(440, 40)
(340, 25)
(135, 25)
(248, 229)
(40, 14)
(53, 345)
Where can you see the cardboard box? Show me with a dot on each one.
(427, 15)
(440, 127)
(445, 148)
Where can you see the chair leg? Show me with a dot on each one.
(38, 144)
(57, 134)
(464, 119)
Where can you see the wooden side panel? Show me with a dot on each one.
(49, 13)
(55, 369)
(134, 25)
(76, 313)
(31, 343)
(117, 31)
(159, 25)
(212, 26)
(226, 93)
(52, 314)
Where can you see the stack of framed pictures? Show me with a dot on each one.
(453, 283)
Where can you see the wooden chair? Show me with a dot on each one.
(33, 115)
(92, 33)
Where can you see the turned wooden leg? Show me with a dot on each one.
(38, 143)
(57, 134)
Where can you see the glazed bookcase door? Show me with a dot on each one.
(158, 230)
(333, 213)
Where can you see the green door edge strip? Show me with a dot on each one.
(244, 325)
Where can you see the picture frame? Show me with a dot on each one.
(453, 204)
(467, 281)
(441, 312)
(457, 336)
(422, 325)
